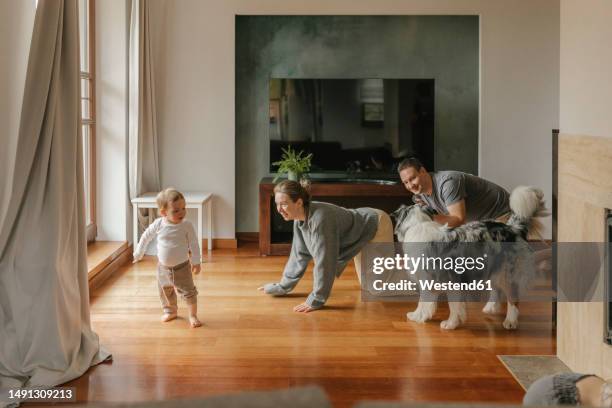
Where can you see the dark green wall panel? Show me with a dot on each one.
(445, 48)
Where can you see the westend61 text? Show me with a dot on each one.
(430, 285)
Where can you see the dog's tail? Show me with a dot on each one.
(527, 203)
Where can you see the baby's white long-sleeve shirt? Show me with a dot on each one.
(174, 241)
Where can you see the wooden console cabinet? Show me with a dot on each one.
(387, 197)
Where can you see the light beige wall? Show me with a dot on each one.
(585, 165)
(16, 25)
(586, 85)
(519, 88)
(585, 191)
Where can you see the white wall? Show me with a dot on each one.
(16, 25)
(519, 87)
(111, 133)
(586, 66)
(195, 102)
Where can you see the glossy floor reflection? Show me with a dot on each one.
(250, 341)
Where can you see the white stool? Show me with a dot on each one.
(192, 200)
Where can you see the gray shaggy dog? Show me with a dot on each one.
(510, 268)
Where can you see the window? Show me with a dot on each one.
(88, 110)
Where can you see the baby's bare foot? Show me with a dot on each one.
(195, 322)
(166, 317)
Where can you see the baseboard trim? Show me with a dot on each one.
(221, 243)
(247, 237)
(110, 266)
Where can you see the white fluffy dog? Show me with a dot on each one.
(414, 224)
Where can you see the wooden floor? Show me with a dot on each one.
(251, 341)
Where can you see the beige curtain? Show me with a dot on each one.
(45, 333)
(143, 167)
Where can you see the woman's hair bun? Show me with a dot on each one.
(305, 183)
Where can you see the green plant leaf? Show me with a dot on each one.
(293, 161)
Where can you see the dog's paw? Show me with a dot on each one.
(492, 308)
(450, 324)
(424, 312)
(512, 315)
(510, 324)
(417, 316)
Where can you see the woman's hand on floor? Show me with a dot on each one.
(303, 308)
(274, 289)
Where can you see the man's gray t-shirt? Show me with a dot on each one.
(484, 200)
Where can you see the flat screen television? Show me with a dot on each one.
(353, 127)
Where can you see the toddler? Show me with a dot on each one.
(176, 238)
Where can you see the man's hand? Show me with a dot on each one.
(456, 215)
(136, 258)
(418, 201)
(195, 269)
(303, 308)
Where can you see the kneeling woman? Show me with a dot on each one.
(329, 234)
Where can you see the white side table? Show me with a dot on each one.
(192, 200)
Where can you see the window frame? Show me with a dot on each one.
(90, 78)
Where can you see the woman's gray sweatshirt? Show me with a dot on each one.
(332, 236)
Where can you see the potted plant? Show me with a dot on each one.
(292, 163)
